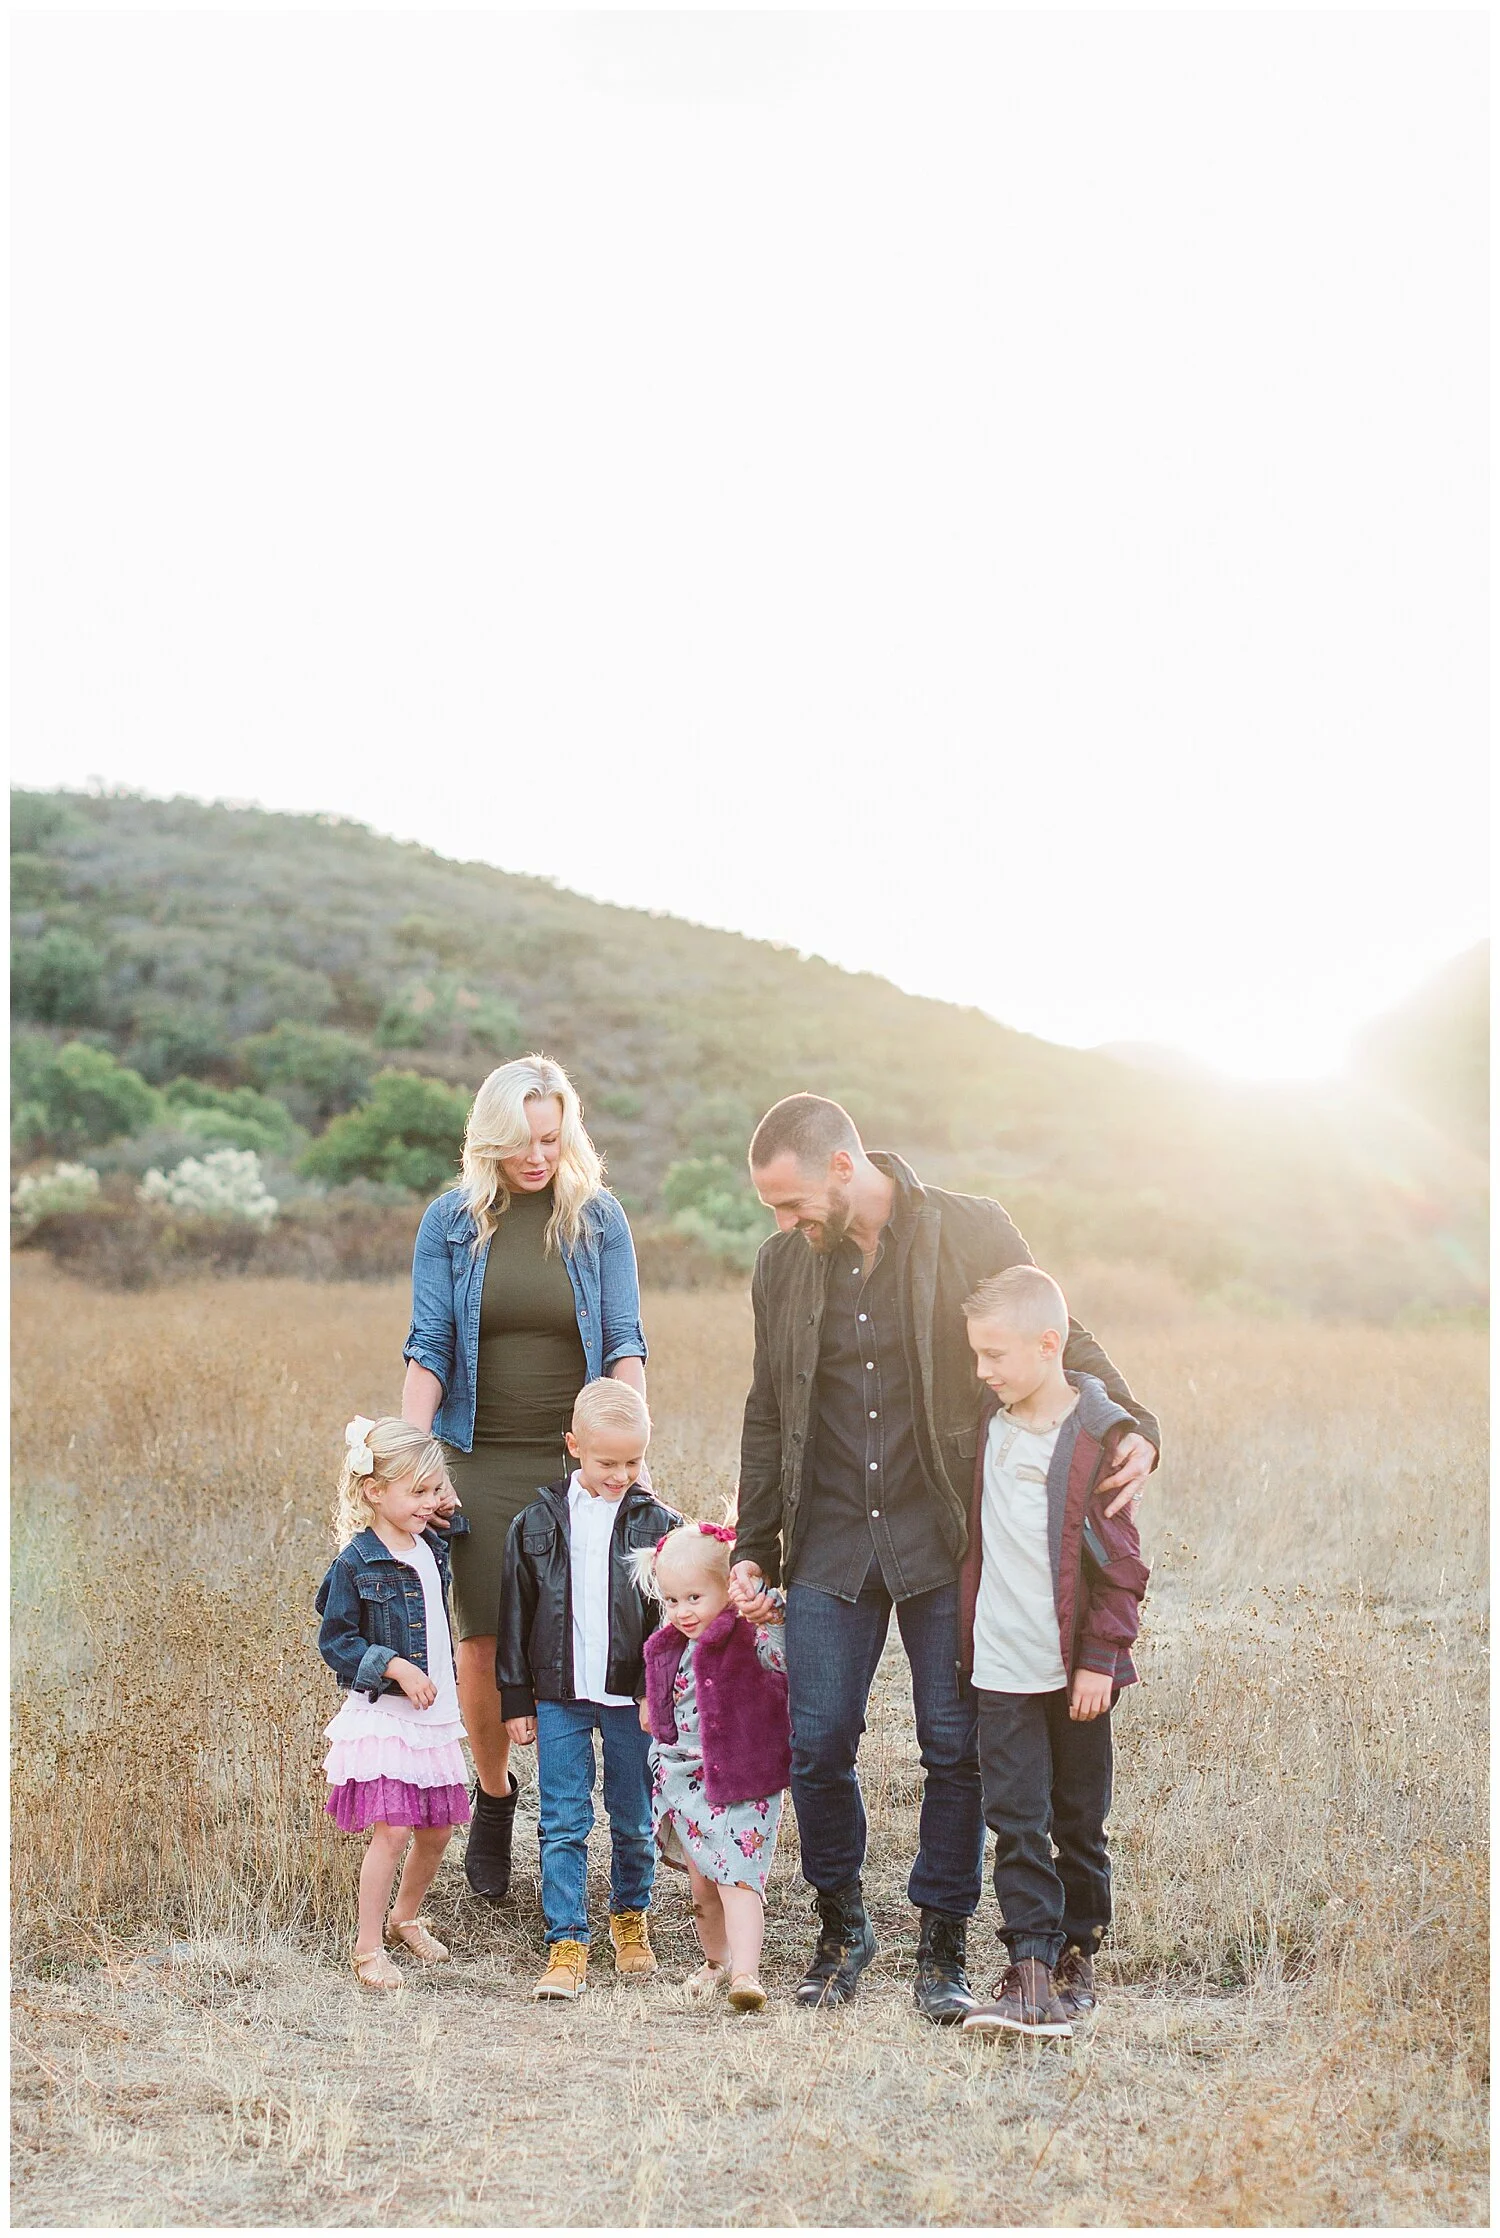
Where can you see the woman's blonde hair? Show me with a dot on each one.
(383, 1453)
(499, 1128)
(709, 1546)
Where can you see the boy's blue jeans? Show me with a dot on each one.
(565, 1775)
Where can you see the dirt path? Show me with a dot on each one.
(231, 2088)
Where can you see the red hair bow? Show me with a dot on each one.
(719, 1531)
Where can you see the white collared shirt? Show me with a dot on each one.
(591, 1529)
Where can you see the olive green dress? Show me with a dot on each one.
(531, 1369)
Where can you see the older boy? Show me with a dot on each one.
(1049, 1602)
(569, 1662)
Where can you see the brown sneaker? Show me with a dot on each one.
(1074, 1983)
(567, 1968)
(1025, 2005)
(633, 1952)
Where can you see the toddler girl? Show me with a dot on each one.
(395, 1764)
(721, 1755)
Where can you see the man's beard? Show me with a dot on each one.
(835, 1225)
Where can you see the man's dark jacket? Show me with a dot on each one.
(957, 1241)
(534, 1635)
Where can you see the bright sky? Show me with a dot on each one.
(998, 500)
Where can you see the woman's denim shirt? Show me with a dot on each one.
(373, 1610)
(447, 1283)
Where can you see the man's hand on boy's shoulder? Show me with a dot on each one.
(1130, 1463)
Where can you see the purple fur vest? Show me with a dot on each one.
(742, 1713)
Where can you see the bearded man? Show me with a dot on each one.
(856, 1463)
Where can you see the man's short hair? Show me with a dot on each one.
(1021, 1298)
(810, 1127)
(609, 1404)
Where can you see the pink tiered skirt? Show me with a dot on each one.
(383, 1767)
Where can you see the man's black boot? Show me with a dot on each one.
(941, 1987)
(487, 1858)
(846, 1944)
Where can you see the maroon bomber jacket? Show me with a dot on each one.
(1098, 1577)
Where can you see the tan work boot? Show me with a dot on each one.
(633, 1952)
(567, 1970)
(1025, 2005)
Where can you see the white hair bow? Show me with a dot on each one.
(356, 1436)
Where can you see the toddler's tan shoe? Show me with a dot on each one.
(746, 1994)
(374, 1970)
(633, 1952)
(567, 1970)
(706, 1982)
(416, 1936)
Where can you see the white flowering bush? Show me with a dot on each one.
(62, 1188)
(225, 1185)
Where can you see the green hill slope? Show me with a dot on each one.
(178, 936)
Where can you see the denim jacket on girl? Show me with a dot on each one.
(373, 1610)
(447, 1283)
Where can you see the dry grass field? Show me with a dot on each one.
(1293, 2027)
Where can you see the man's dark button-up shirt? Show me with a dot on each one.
(866, 1495)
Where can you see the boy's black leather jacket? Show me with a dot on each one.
(534, 1635)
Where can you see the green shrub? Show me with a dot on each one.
(38, 821)
(64, 1099)
(35, 882)
(57, 980)
(322, 1070)
(234, 1118)
(410, 1132)
(717, 1126)
(442, 1013)
(712, 1202)
(172, 1037)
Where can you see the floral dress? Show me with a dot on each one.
(734, 1844)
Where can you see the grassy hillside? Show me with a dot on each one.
(201, 944)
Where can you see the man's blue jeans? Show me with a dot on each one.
(565, 1775)
(832, 1648)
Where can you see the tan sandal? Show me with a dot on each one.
(373, 1970)
(746, 1994)
(416, 1936)
(708, 1980)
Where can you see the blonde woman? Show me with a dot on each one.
(523, 1289)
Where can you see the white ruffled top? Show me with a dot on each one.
(390, 1738)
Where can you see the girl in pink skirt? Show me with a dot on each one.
(395, 1760)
